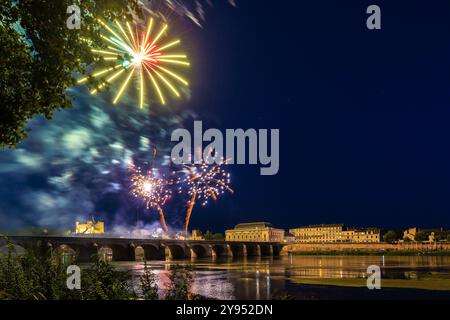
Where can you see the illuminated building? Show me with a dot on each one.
(196, 235)
(360, 235)
(255, 231)
(334, 233)
(90, 227)
(288, 238)
(410, 234)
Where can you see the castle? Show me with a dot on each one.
(90, 227)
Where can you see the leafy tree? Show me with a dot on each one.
(441, 236)
(41, 56)
(41, 275)
(421, 236)
(180, 283)
(390, 236)
(213, 236)
(103, 282)
(148, 284)
(36, 275)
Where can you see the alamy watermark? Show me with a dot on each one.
(373, 277)
(73, 281)
(74, 20)
(373, 22)
(237, 146)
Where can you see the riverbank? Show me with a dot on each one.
(380, 248)
(371, 253)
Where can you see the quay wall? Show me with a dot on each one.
(348, 247)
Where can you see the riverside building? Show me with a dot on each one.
(256, 232)
(334, 233)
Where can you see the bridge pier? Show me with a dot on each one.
(168, 253)
(213, 253)
(174, 251)
(228, 251)
(193, 254)
(258, 250)
(244, 250)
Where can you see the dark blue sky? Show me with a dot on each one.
(363, 116)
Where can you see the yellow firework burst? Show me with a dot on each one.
(140, 52)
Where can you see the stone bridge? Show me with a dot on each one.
(88, 248)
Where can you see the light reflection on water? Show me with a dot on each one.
(257, 278)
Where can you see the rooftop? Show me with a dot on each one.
(253, 225)
(323, 226)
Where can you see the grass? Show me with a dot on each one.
(425, 284)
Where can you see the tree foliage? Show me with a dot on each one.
(213, 236)
(390, 236)
(41, 56)
(40, 273)
(180, 283)
(422, 235)
(149, 286)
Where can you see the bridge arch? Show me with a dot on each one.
(266, 250)
(139, 253)
(253, 250)
(198, 251)
(122, 252)
(15, 249)
(68, 255)
(276, 249)
(149, 252)
(105, 253)
(238, 250)
(83, 252)
(174, 251)
(218, 250)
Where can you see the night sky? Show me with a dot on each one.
(363, 116)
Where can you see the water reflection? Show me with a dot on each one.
(257, 278)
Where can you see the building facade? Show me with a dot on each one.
(318, 233)
(256, 232)
(334, 233)
(360, 236)
(90, 227)
(196, 235)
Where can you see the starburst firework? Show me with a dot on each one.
(136, 52)
(204, 181)
(153, 190)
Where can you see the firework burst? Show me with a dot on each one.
(137, 52)
(153, 190)
(204, 182)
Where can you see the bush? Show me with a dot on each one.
(422, 236)
(40, 274)
(103, 282)
(181, 281)
(390, 236)
(213, 236)
(36, 275)
(148, 284)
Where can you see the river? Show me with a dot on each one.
(309, 277)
